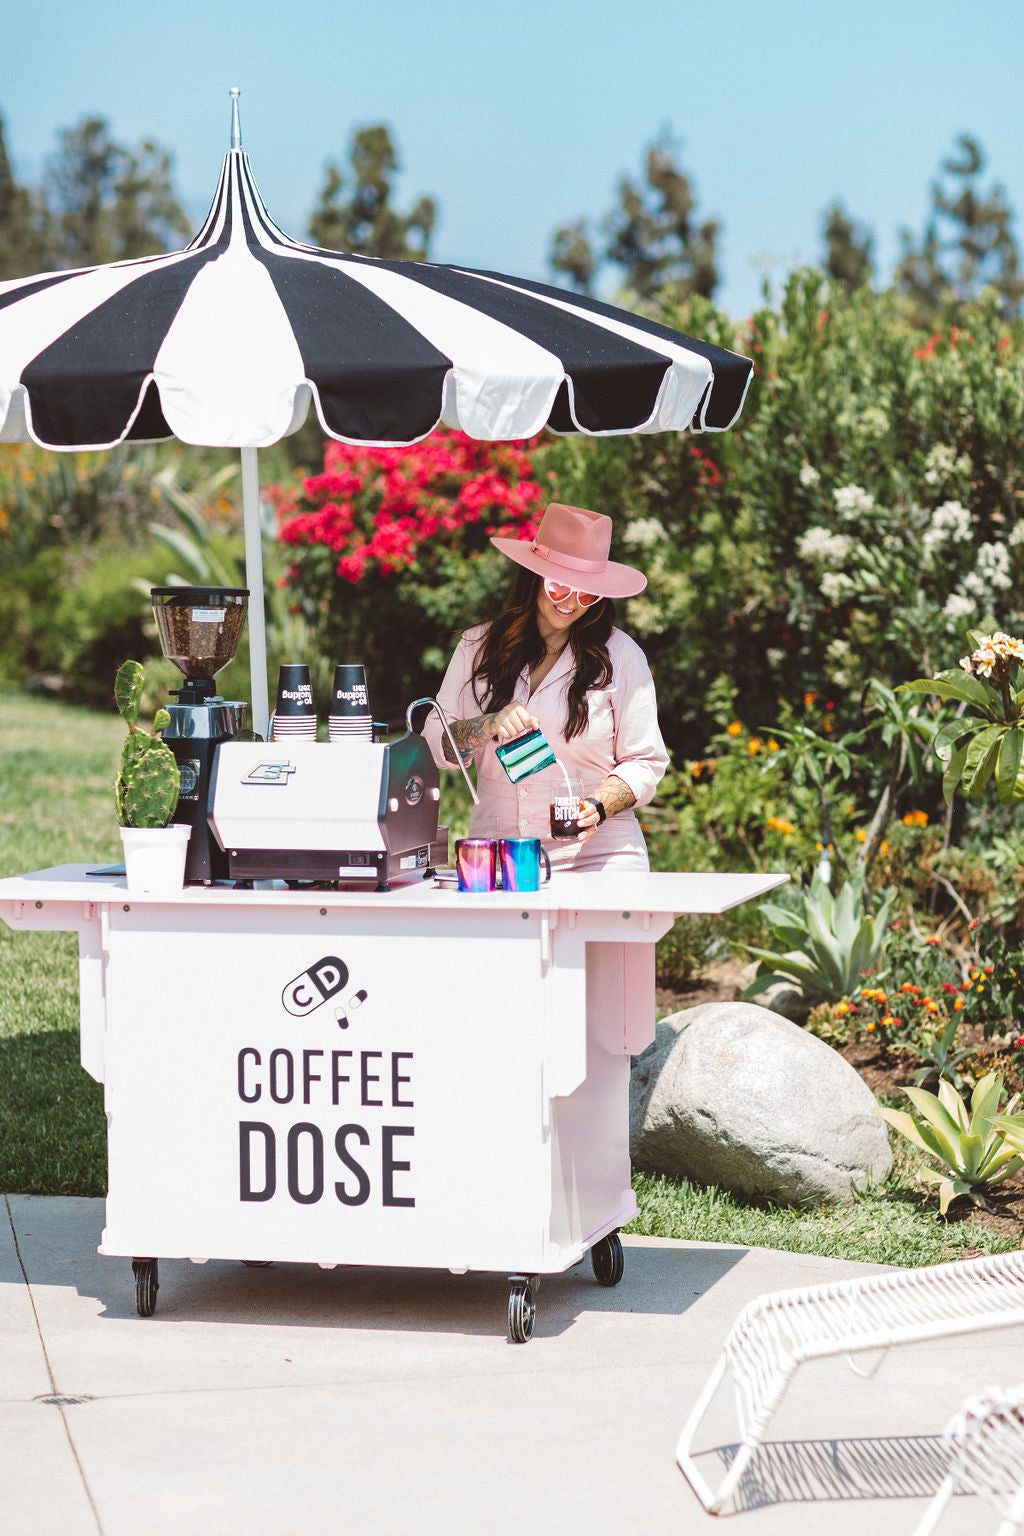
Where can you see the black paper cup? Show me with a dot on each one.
(294, 692)
(349, 696)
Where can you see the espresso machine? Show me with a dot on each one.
(199, 629)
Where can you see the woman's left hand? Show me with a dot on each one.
(614, 794)
(588, 821)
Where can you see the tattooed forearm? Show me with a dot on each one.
(470, 735)
(614, 794)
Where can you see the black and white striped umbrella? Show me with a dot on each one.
(228, 342)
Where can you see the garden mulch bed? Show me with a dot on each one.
(885, 1071)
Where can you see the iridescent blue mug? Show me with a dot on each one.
(521, 858)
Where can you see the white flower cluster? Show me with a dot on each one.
(958, 607)
(994, 566)
(809, 475)
(943, 463)
(644, 533)
(951, 523)
(874, 422)
(836, 585)
(994, 653)
(823, 545)
(852, 501)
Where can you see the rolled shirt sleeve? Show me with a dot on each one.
(455, 695)
(640, 754)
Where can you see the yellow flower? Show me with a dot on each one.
(916, 819)
(734, 728)
(773, 745)
(754, 745)
(861, 835)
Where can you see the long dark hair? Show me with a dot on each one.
(513, 641)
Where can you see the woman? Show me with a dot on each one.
(553, 659)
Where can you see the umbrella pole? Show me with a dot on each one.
(254, 581)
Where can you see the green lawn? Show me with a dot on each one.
(57, 767)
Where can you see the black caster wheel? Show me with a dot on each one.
(146, 1286)
(606, 1257)
(522, 1311)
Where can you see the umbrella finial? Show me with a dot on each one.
(236, 132)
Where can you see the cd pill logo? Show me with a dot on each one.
(314, 986)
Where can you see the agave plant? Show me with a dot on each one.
(828, 942)
(939, 1054)
(972, 1146)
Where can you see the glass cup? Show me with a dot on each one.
(566, 806)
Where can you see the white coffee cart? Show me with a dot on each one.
(415, 1077)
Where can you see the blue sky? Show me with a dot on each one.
(519, 118)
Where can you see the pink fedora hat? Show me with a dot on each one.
(572, 545)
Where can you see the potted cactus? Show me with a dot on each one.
(146, 793)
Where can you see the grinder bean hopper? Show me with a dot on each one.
(199, 629)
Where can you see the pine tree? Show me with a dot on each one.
(572, 256)
(652, 236)
(22, 244)
(847, 250)
(355, 212)
(105, 202)
(967, 245)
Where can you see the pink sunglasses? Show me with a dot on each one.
(559, 593)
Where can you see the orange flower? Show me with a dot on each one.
(754, 745)
(958, 1005)
(734, 728)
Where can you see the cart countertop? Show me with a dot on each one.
(657, 892)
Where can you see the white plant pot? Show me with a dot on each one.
(154, 858)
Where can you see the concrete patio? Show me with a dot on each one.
(272, 1401)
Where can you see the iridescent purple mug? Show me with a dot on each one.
(476, 861)
(521, 858)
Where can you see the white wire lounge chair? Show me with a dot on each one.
(778, 1332)
(986, 1443)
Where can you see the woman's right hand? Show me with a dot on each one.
(511, 721)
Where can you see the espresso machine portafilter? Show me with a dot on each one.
(199, 629)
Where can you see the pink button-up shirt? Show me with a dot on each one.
(622, 737)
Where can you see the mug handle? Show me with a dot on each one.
(547, 863)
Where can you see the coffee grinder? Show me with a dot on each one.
(199, 629)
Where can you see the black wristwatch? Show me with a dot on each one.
(602, 814)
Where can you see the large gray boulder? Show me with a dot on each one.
(735, 1095)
